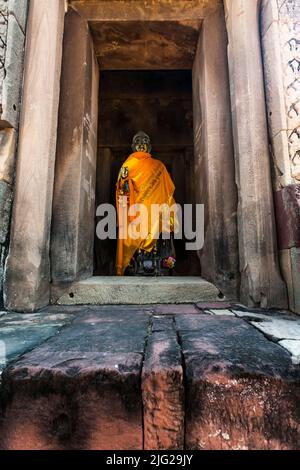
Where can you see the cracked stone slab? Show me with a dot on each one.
(20, 333)
(81, 389)
(264, 314)
(237, 384)
(293, 347)
(279, 329)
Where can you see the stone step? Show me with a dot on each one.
(102, 290)
(130, 377)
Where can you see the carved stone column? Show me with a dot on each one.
(28, 267)
(261, 283)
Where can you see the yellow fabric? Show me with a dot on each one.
(149, 183)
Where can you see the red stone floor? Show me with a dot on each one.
(205, 376)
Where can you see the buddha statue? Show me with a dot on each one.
(145, 180)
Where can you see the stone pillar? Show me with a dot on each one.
(280, 26)
(12, 29)
(73, 225)
(214, 157)
(28, 269)
(261, 283)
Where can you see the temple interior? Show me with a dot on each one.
(158, 102)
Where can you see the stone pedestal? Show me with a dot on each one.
(214, 157)
(261, 284)
(28, 270)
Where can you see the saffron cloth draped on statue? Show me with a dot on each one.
(142, 180)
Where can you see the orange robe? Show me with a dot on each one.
(143, 180)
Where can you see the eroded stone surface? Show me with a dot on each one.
(28, 266)
(20, 333)
(237, 386)
(162, 389)
(134, 290)
(214, 157)
(73, 221)
(81, 389)
(261, 283)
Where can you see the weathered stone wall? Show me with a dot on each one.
(13, 15)
(214, 157)
(280, 28)
(27, 275)
(261, 283)
(72, 236)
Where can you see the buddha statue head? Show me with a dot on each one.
(141, 143)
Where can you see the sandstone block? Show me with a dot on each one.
(261, 283)
(80, 390)
(28, 266)
(162, 389)
(73, 223)
(237, 386)
(214, 157)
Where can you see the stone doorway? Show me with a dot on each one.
(100, 37)
(160, 102)
(135, 93)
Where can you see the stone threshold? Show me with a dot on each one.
(113, 290)
(153, 377)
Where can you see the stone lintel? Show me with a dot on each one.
(144, 10)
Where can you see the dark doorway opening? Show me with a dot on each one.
(160, 103)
